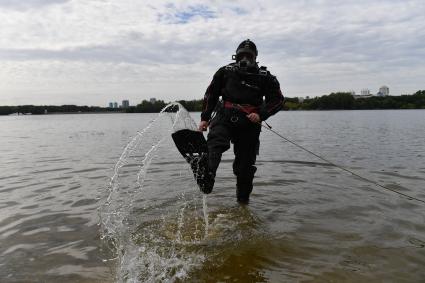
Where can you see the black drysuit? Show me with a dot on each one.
(241, 88)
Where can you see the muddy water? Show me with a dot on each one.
(307, 221)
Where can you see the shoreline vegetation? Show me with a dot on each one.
(333, 101)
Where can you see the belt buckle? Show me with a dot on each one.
(234, 119)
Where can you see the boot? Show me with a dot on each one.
(243, 190)
(207, 165)
(202, 176)
(244, 185)
(206, 184)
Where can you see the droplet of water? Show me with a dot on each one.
(205, 210)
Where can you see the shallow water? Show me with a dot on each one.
(307, 221)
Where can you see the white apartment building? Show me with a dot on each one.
(383, 91)
(365, 92)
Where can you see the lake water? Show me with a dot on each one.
(63, 219)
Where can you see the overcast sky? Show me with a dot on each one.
(91, 52)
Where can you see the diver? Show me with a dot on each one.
(250, 94)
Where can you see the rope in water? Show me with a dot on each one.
(268, 127)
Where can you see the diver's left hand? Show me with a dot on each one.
(254, 118)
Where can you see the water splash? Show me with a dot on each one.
(205, 210)
(159, 229)
(147, 242)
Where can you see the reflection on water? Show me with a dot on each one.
(307, 222)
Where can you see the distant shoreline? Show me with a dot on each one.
(66, 113)
(333, 101)
(123, 112)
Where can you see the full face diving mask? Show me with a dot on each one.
(245, 60)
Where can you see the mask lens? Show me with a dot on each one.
(245, 55)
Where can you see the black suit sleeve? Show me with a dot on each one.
(212, 95)
(274, 98)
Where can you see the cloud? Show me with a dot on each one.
(314, 47)
(28, 4)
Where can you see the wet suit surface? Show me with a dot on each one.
(256, 88)
(232, 126)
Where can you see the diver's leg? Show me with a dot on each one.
(218, 142)
(246, 146)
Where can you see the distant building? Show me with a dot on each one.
(300, 99)
(125, 104)
(383, 91)
(115, 104)
(111, 105)
(152, 100)
(352, 92)
(365, 92)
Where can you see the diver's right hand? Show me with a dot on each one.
(203, 126)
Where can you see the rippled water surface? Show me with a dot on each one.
(63, 219)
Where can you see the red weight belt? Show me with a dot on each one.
(247, 108)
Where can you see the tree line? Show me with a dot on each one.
(143, 107)
(333, 101)
(346, 101)
(48, 109)
(156, 106)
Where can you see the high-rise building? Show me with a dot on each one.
(365, 92)
(111, 105)
(115, 104)
(125, 104)
(384, 91)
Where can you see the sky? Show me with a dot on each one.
(91, 52)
